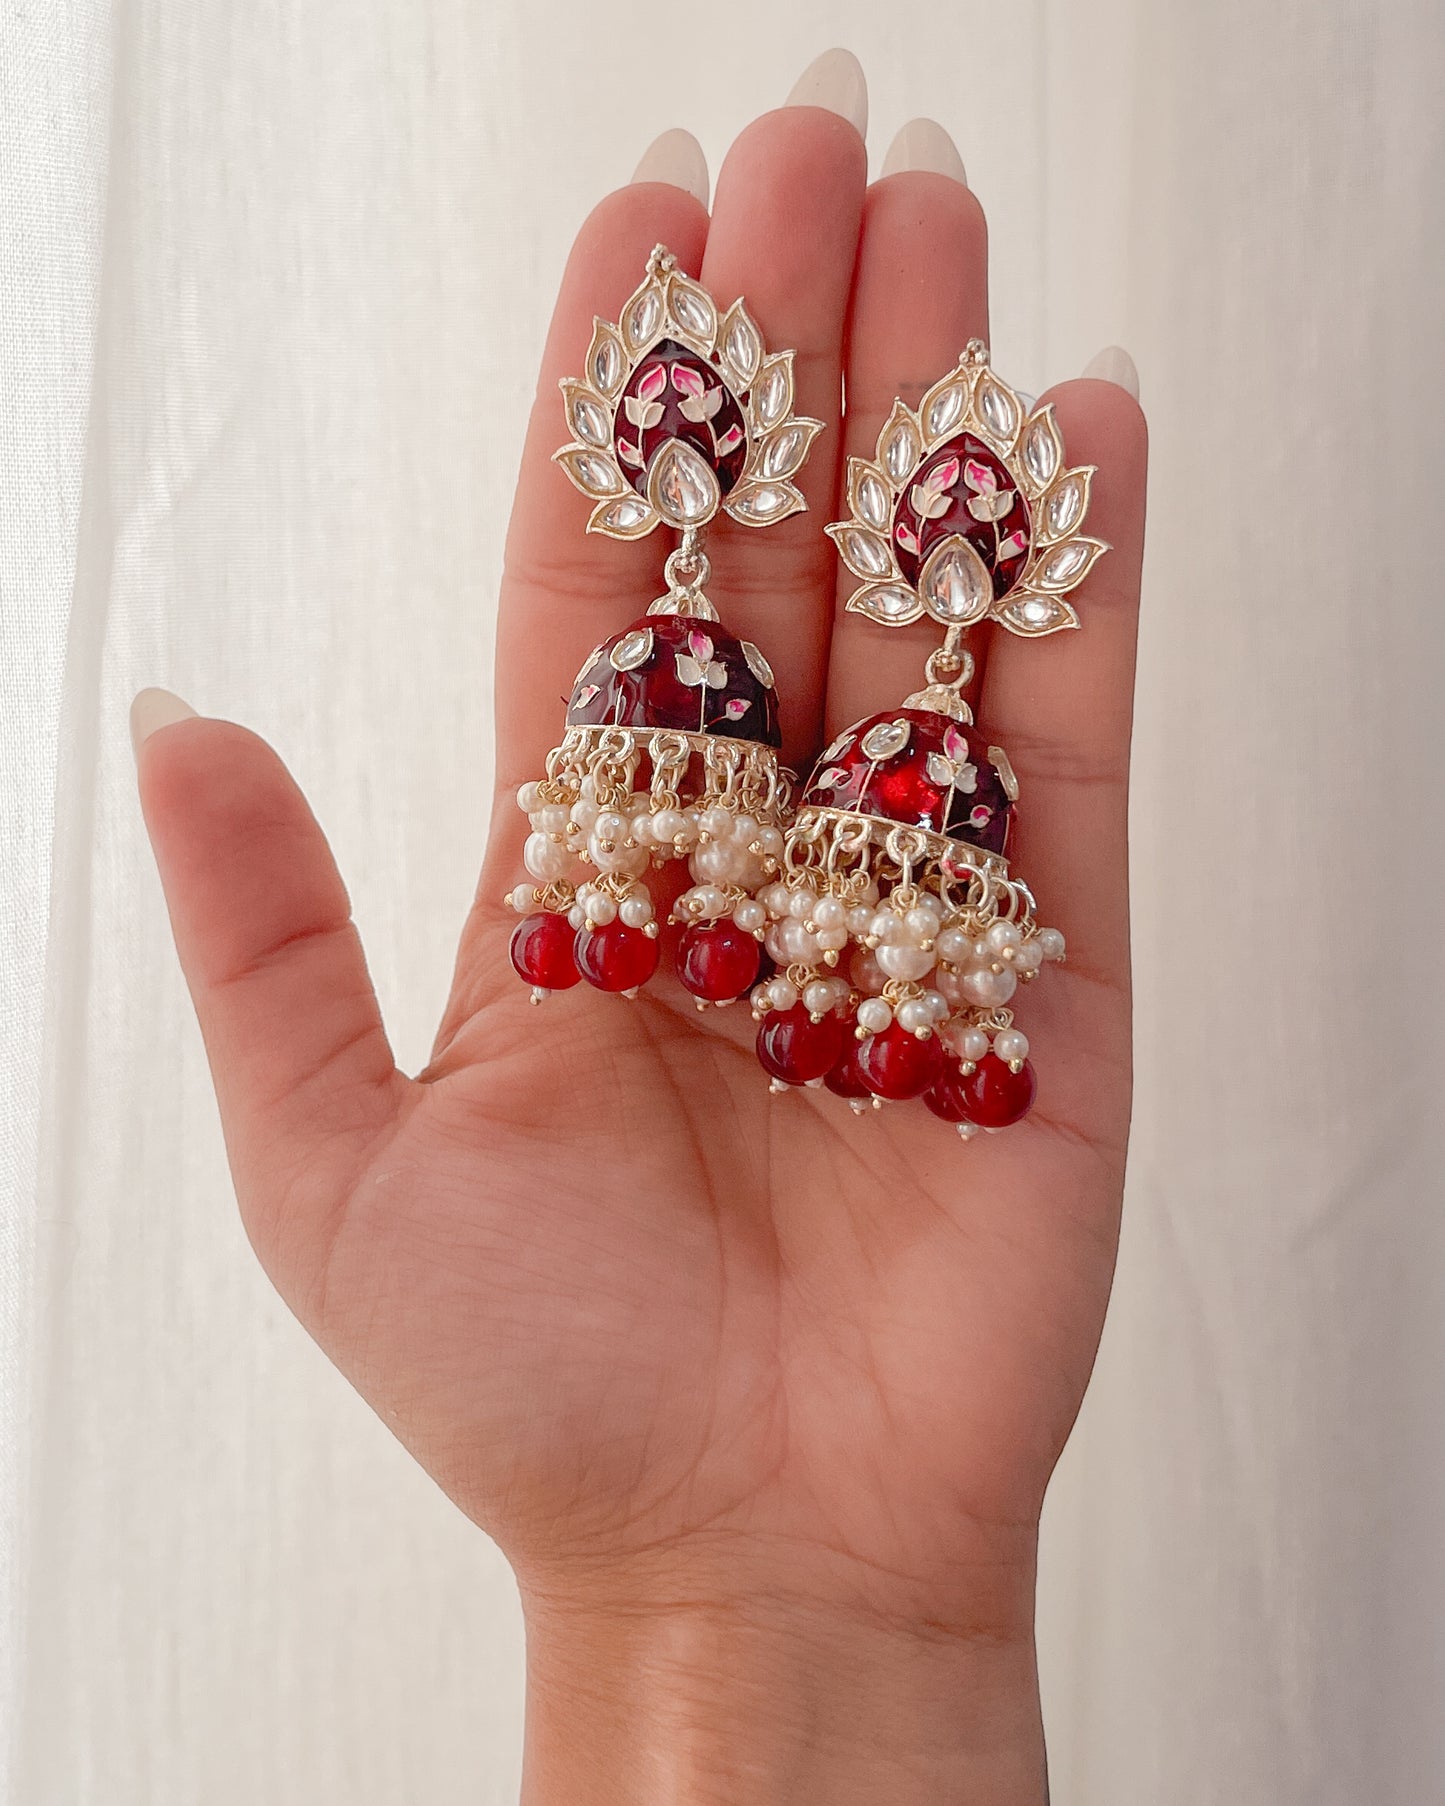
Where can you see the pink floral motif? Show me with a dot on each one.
(644, 409)
(585, 695)
(736, 707)
(930, 498)
(981, 816)
(907, 538)
(953, 767)
(628, 452)
(699, 402)
(834, 778)
(723, 443)
(1014, 544)
(988, 502)
(697, 668)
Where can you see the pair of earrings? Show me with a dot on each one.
(873, 919)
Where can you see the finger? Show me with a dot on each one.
(920, 295)
(303, 1071)
(564, 589)
(1062, 707)
(784, 236)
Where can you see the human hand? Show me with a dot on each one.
(759, 1399)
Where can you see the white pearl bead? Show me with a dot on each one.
(1051, 943)
(867, 975)
(771, 841)
(920, 925)
(874, 1015)
(950, 983)
(744, 829)
(710, 901)
(601, 909)
(667, 825)
(610, 825)
(953, 945)
(782, 993)
(529, 798)
(798, 943)
(860, 920)
(544, 858)
(887, 926)
(584, 813)
(761, 998)
(612, 856)
(832, 940)
(800, 904)
(553, 819)
(774, 898)
(522, 899)
(773, 944)
(818, 997)
(715, 823)
(750, 915)
(636, 911)
(990, 990)
(899, 960)
(914, 1015)
(938, 1005)
(1011, 1044)
(972, 1044)
(576, 916)
(1003, 935)
(828, 912)
(1029, 957)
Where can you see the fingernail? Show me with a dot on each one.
(923, 144)
(677, 158)
(834, 80)
(1114, 365)
(153, 710)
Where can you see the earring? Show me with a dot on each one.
(899, 850)
(670, 749)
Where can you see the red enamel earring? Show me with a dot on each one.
(897, 860)
(670, 749)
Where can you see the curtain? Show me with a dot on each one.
(272, 287)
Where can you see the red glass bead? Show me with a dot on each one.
(993, 1095)
(845, 1077)
(542, 951)
(919, 767)
(615, 957)
(982, 506)
(896, 1064)
(718, 962)
(793, 1047)
(668, 388)
(678, 672)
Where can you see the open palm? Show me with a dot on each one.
(661, 1333)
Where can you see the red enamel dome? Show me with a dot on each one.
(678, 672)
(919, 767)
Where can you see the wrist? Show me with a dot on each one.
(760, 1701)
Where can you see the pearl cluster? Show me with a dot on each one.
(913, 964)
(728, 852)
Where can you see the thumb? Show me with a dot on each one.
(302, 1068)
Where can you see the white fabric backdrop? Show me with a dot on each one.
(272, 285)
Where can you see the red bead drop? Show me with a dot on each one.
(616, 957)
(718, 962)
(896, 1064)
(993, 1095)
(791, 1046)
(845, 1077)
(542, 951)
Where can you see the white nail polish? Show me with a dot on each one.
(1114, 365)
(834, 80)
(153, 710)
(923, 144)
(676, 158)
